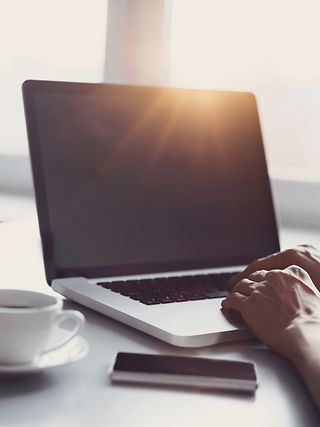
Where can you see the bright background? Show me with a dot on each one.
(45, 39)
(269, 47)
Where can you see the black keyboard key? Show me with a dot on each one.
(215, 293)
(149, 301)
(165, 290)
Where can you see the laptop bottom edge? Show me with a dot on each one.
(79, 290)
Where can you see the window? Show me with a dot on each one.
(45, 39)
(269, 47)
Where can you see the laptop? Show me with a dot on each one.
(149, 200)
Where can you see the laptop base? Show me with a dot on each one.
(184, 324)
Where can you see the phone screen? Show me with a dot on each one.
(192, 371)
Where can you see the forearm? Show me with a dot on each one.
(306, 357)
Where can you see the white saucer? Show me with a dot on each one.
(71, 352)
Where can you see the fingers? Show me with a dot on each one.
(234, 301)
(258, 276)
(258, 265)
(252, 272)
(297, 272)
(279, 260)
(244, 287)
(245, 290)
(301, 275)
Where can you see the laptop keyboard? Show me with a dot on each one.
(163, 290)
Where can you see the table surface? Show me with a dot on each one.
(81, 394)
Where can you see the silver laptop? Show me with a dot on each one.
(149, 200)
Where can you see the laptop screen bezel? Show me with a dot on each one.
(30, 88)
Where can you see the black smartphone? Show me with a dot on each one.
(199, 372)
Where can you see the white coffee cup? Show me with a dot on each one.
(27, 321)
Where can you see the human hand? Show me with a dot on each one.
(275, 305)
(304, 256)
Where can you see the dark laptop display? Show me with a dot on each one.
(135, 180)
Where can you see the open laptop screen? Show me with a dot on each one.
(133, 179)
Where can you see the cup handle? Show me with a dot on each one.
(78, 319)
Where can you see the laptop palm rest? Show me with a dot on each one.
(187, 324)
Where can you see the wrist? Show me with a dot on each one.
(305, 355)
(302, 342)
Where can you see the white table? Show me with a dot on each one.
(81, 395)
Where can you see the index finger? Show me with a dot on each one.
(279, 260)
(234, 301)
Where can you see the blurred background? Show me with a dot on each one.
(269, 47)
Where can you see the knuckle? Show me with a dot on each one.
(273, 275)
(258, 273)
(242, 283)
(290, 251)
(296, 270)
(255, 293)
(255, 296)
(291, 255)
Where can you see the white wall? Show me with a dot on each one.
(268, 47)
(46, 39)
(66, 40)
